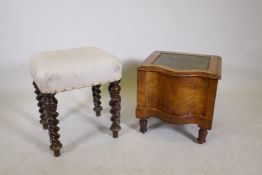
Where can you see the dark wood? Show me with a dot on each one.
(114, 90)
(96, 99)
(143, 125)
(202, 134)
(39, 98)
(50, 104)
(48, 112)
(178, 96)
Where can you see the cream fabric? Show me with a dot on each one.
(57, 71)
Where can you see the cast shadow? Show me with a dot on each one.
(78, 141)
(182, 130)
(23, 133)
(128, 94)
(177, 128)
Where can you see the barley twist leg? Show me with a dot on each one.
(115, 103)
(96, 99)
(39, 98)
(50, 103)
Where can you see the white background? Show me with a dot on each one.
(131, 30)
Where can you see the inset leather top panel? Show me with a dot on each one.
(183, 62)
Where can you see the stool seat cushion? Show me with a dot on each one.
(57, 71)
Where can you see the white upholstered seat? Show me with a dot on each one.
(57, 71)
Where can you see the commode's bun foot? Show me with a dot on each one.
(202, 134)
(143, 125)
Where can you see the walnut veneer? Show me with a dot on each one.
(178, 88)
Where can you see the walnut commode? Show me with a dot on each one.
(63, 70)
(178, 88)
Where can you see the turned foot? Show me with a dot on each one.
(39, 98)
(202, 134)
(96, 98)
(143, 125)
(50, 104)
(114, 90)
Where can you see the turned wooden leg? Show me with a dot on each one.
(50, 104)
(114, 90)
(39, 98)
(96, 98)
(202, 134)
(143, 125)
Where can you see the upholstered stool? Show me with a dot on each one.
(58, 71)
